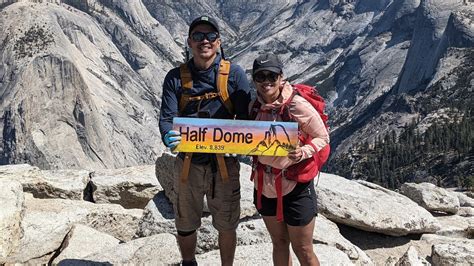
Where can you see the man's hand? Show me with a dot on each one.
(172, 138)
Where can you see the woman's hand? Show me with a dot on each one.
(295, 155)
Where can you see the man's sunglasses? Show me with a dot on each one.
(261, 77)
(200, 36)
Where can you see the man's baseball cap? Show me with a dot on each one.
(203, 20)
(269, 62)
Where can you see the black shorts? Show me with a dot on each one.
(299, 206)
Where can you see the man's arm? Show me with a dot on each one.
(169, 103)
(241, 96)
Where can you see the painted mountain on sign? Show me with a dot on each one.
(276, 138)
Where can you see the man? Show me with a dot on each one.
(203, 174)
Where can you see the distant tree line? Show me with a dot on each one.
(443, 154)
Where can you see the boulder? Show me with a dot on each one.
(464, 200)
(12, 204)
(160, 249)
(456, 226)
(411, 257)
(247, 208)
(64, 184)
(431, 197)
(371, 207)
(434, 239)
(82, 241)
(466, 211)
(261, 254)
(249, 232)
(131, 187)
(158, 217)
(452, 254)
(327, 232)
(16, 170)
(164, 172)
(47, 221)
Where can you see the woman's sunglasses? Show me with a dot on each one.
(200, 36)
(261, 77)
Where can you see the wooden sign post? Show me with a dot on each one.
(271, 138)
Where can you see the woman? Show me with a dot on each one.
(298, 199)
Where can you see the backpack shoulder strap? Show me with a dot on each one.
(254, 109)
(285, 108)
(186, 78)
(222, 78)
(186, 84)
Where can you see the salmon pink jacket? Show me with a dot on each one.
(309, 122)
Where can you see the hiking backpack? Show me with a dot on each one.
(303, 171)
(222, 93)
(222, 90)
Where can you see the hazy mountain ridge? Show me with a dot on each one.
(362, 55)
(70, 103)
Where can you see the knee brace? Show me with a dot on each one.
(186, 233)
(189, 263)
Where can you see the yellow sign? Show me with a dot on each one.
(271, 138)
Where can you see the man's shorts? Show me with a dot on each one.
(299, 206)
(223, 199)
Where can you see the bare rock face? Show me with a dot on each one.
(11, 214)
(370, 207)
(81, 71)
(431, 197)
(427, 46)
(96, 67)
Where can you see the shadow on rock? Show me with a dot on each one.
(370, 240)
(164, 205)
(81, 262)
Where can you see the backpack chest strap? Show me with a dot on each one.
(205, 96)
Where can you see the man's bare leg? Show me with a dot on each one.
(227, 243)
(187, 246)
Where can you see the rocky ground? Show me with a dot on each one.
(123, 216)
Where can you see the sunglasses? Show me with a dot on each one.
(261, 77)
(200, 36)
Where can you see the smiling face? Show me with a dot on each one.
(268, 85)
(204, 50)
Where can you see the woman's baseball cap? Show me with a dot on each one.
(269, 62)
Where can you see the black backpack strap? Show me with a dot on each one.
(254, 109)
